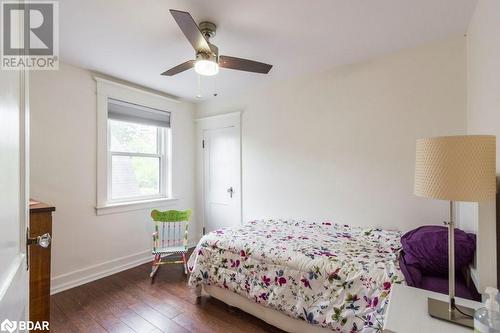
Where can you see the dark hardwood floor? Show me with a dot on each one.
(128, 302)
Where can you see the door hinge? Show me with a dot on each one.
(203, 230)
(202, 143)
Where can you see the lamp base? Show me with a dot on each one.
(440, 310)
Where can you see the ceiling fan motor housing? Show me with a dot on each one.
(208, 29)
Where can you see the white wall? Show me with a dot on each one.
(63, 173)
(483, 117)
(483, 70)
(341, 145)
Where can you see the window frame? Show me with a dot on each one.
(162, 139)
(105, 90)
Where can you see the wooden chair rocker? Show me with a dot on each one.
(170, 238)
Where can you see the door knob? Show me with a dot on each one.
(230, 191)
(42, 241)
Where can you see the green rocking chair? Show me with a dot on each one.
(170, 238)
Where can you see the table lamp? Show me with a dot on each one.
(455, 168)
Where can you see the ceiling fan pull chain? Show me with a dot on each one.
(199, 86)
(215, 87)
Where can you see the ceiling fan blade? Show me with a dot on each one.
(190, 30)
(244, 65)
(179, 68)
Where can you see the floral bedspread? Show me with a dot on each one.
(331, 275)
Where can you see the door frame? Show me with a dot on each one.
(231, 119)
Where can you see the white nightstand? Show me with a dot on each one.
(407, 312)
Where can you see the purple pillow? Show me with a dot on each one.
(427, 248)
(412, 274)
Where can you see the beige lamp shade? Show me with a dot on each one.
(456, 168)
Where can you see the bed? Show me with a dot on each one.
(301, 276)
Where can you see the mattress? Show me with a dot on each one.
(326, 274)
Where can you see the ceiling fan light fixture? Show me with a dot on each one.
(206, 67)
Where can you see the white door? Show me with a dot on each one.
(222, 177)
(13, 273)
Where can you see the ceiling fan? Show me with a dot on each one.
(207, 60)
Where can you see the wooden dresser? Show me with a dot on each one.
(39, 262)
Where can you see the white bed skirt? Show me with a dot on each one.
(268, 315)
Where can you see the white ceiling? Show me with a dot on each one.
(137, 40)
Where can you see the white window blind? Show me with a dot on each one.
(124, 111)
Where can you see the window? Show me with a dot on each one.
(138, 140)
(134, 155)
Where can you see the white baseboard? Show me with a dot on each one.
(88, 274)
(91, 273)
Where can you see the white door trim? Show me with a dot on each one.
(232, 119)
(220, 120)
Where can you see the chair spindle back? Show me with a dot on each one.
(171, 228)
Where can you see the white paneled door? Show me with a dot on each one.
(222, 177)
(13, 273)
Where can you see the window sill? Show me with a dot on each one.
(121, 207)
